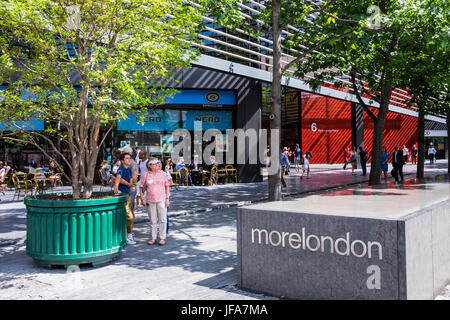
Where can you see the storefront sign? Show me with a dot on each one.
(204, 97)
(220, 120)
(32, 125)
(154, 120)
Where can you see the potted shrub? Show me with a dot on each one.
(79, 67)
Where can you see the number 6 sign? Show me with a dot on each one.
(314, 127)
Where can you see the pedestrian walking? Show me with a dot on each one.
(289, 154)
(137, 151)
(405, 154)
(123, 183)
(397, 163)
(414, 154)
(353, 160)
(298, 157)
(284, 162)
(432, 154)
(306, 166)
(384, 163)
(170, 180)
(156, 187)
(347, 155)
(267, 157)
(135, 173)
(363, 157)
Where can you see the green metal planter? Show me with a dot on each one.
(74, 232)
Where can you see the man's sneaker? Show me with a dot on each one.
(130, 239)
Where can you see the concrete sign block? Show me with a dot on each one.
(296, 250)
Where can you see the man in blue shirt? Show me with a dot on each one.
(284, 162)
(180, 164)
(123, 183)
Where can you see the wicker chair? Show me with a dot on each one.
(222, 174)
(26, 183)
(183, 176)
(231, 172)
(213, 176)
(57, 179)
(41, 182)
(102, 182)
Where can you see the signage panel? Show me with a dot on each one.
(32, 125)
(154, 120)
(220, 120)
(204, 97)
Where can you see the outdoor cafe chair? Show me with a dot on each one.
(222, 174)
(21, 184)
(41, 182)
(210, 175)
(57, 179)
(183, 176)
(102, 182)
(175, 183)
(231, 172)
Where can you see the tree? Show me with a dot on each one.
(426, 74)
(302, 40)
(376, 54)
(329, 39)
(84, 65)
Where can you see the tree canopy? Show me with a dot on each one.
(88, 63)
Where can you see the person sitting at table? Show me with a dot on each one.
(7, 168)
(207, 167)
(180, 164)
(32, 167)
(2, 171)
(169, 166)
(106, 173)
(194, 165)
(195, 171)
(54, 171)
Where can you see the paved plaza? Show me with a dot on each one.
(198, 261)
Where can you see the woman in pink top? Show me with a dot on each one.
(157, 190)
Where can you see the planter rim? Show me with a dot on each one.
(36, 201)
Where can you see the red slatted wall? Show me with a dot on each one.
(334, 132)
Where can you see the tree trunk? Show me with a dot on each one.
(88, 187)
(421, 144)
(378, 132)
(377, 144)
(76, 185)
(274, 180)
